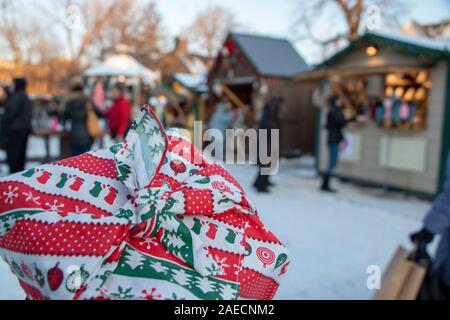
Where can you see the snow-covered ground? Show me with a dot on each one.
(332, 238)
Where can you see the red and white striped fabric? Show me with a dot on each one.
(140, 220)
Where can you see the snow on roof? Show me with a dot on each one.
(271, 56)
(440, 44)
(195, 82)
(195, 65)
(122, 65)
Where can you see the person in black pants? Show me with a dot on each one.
(75, 111)
(269, 120)
(16, 126)
(336, 121)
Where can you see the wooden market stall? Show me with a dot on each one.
(250, 69)
(402, 85)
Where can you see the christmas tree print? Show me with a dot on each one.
(181, 277)
(227, 292)
(205, 285)
(134, 259)
(124, 171)
(173, 242)
(158, 267)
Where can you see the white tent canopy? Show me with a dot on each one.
(123, 65)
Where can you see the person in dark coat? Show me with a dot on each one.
(75, 111)
(437, 222)
(16, 126)
(270, 120)
(336, 122)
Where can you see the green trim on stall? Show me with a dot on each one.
(382, 41)
(445, 134)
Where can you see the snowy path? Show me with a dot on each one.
(332, 238)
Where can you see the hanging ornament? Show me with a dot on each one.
(265, 255)
(39, 276)
(76, 279)
(17, 269)
(55, 277)
(280, 260)
(26, 271)
(178, 167)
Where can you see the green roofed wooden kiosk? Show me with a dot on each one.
(402, 85)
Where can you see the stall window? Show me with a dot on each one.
(404, 105)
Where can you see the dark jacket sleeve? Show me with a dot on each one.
(438, 218)
(66, 114)
(12, 109)
(338, 119)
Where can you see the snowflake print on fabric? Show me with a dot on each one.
(149, 242)
(122, 293)
(55, 206)
(11, 194)
(29, 197)
(152, 295)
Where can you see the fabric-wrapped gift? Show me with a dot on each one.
(146, 219)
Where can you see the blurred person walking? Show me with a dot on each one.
(222, 117)
(221, 120)
(437, 222)
(119, 114)
(76, 111)
(16, 126)
(270, 120)
(336, 122)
